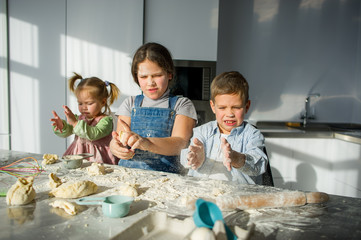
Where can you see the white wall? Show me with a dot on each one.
(288, 49)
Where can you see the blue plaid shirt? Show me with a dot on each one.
(245, 139)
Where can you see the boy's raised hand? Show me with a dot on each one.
(57, 122)
(231, 158)
(196, 154)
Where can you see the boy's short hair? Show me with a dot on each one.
(230, 83)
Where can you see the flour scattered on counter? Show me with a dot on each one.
(164, 191)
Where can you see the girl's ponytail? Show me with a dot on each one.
(113, 93)
(72, 81)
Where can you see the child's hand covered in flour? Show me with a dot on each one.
(130, 139)
(196, 154)
(231, 158)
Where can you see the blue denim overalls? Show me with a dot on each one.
(152, 122)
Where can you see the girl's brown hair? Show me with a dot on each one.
(230, 83)
(97, 88)
(153, 52)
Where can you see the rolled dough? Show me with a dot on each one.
(74, 189)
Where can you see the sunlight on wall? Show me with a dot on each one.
(266, 9)
(24, 92)
(25, 112)
(315, 4)
(3, 83)
(3, 47)
(25, 37)
(89, 59)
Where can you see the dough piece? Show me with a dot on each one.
(74, 189)
(69, 208)
(54, 181)
(202, 233)
(49, 159)
(128, 190)
(22, 192)
(96, 169)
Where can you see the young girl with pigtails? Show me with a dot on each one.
(93, 127)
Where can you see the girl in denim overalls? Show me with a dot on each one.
(153, 127)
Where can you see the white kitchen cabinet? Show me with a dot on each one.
(51, 39)
(37, 84)
(101, 40)
(316, 164)
(188, 28)
(4, 87)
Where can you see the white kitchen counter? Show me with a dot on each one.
(164, 192)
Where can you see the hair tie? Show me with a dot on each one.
(106, 83)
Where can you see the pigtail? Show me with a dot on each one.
(72, 81)
(113, 93)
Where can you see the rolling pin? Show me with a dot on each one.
(267, 200)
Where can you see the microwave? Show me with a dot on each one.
(193, 79)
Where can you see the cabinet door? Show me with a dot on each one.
(51, 39)
(188, 28)
(326, 165)
(101, 39)
(4, 88)
(37, 83)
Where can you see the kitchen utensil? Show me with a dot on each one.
(207, 213)
(3, 193)
(273, 200)
(21, 168)
(115, 206)
(74, 161)
(266, 200)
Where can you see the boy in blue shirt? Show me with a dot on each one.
(228, 148)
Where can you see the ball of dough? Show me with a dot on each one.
(128, 190)
(202, 233)
(96, 169)
(22, 192)
(74, 189)
(49, 159)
